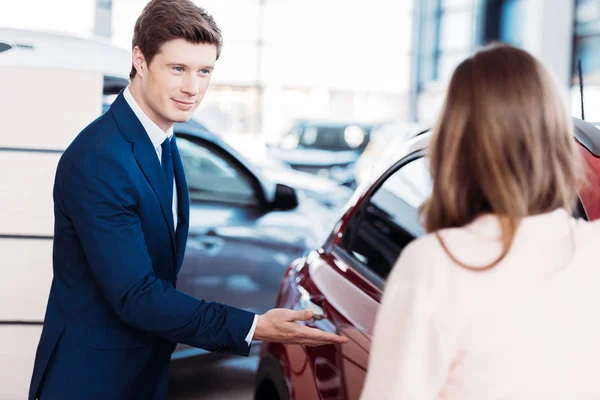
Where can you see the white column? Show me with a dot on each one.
(548, 34)
(103, 18)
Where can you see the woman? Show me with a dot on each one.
(501, 300)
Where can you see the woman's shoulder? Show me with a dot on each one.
(591, 226)
(417, 259)
(471, 243)
(479, 243)
(425, 259)
(424, 249)
(587, 231)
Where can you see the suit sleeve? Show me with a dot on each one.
(99, 197)
(407, 359)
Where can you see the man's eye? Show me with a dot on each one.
(205, 71)
(178, 69)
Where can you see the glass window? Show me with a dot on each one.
(456, 3)
(321, 137)
(456, 30)
(389, 220)
(512, 22)
(335, 138)
(427, 47)
(448, 63)
(586, 42)
(504, 21)
(445, 37)
(211, 177)
(586, 49)
(310, 136)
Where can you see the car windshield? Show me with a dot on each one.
(327, 137)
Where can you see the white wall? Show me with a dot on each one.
(41, 109)
(47, 107)
(16, 360)
(69, 16)
(548, 35)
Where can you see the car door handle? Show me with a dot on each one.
(307, 302)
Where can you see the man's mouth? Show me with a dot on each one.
(183, 105)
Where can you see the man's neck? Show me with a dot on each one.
(136, 94)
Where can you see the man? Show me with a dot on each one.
(121, 224)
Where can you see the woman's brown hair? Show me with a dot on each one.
(503, 144)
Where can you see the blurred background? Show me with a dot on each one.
(304, 100)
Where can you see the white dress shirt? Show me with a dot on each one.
(157, 137)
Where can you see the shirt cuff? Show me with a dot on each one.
(251, 333)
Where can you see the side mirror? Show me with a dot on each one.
(285, 198)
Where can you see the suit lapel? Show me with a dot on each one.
(146, 157)
(183, 205)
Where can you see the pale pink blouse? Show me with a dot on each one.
(527, 329)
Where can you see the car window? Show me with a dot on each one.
(335, 138)
(388, 220)
(211, 177)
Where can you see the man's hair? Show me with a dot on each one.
(165, 20)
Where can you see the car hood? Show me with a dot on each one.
(307, 182)
(311, 223)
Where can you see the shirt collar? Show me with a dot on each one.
(157, 135)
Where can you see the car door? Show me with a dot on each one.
(231, 256)
(344, 283)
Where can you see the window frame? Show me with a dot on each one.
(579, 210)
(363, 270)
(338, 251)
(241, 169)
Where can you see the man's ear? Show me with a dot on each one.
(139, 61)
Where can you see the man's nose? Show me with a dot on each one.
(190, 85)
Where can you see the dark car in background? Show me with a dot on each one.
(342, 281)
(324, 190)
(245, 229)
(324, 148)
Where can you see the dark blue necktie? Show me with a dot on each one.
(167, 166)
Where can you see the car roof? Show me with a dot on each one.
(586, 133)
(198, 130)
(37, 49)
(189, 128)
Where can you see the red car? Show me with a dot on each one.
(342, 282)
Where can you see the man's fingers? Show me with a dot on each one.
(315, 343)
(302, 315)
(331, 338)
(301, 334)
(318, 335)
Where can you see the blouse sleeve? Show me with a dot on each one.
(407, 360)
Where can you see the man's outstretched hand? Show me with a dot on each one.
(280, 326)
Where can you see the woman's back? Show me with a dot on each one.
(529, 328)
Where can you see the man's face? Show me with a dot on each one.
(172, 86)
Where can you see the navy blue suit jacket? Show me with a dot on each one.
(114, 316)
